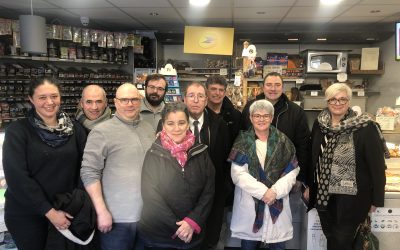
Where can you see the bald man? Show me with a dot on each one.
(111, 169)
(92, 108)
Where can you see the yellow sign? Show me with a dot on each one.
(208, 40)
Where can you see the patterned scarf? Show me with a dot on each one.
(179, 151)
(89, 124)
(53, 137)
(336, 173)
(280, 160)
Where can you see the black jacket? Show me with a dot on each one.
(290, 119)
(79, 205)
(231, 116)
(170, 193)
(44, 171)
(370, 174)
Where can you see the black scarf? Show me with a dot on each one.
(53, 137)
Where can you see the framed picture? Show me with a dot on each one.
(397, 41)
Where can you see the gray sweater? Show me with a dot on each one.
(114, 154)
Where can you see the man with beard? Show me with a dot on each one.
(155, 88)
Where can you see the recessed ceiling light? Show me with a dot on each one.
(260, 12)
(330, 2)
(292, 39)
(153, 14)
(200, 3)
(322, 39)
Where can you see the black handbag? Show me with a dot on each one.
(364, 238)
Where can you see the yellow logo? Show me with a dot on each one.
(208, 40)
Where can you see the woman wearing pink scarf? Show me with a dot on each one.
(177, 185)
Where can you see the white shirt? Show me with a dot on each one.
(201, 122)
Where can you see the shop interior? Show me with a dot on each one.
(109, 42)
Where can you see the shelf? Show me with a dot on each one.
(53, 59)
(367, 72)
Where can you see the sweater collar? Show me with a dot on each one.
(131, 123)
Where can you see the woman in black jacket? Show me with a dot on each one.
(41, 158)
(177, 185)
(347, 178)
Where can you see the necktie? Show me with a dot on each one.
(196, 130)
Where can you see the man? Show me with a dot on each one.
(212, 131)
(111, 169)
(155, 89)
(220, 105)
(289, 118)
(92, 107)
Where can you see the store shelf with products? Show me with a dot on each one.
(174, 92)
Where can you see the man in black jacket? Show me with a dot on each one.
(219, 104)
(213, 132)
(289, 118)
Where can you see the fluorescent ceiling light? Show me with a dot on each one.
(321, 39)
(292, 39)
(330, 2)
(199, 3)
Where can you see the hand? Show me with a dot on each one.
(269, 197)
(372, 209)
(60, 219)
(104, 221)
(184, 232)
(306, 194)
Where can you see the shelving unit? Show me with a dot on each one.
(174, 92)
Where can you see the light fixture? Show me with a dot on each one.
(370, 39)
(322, 39)
(33, 33)
(330, 2)
(199, 3)
(292, 39)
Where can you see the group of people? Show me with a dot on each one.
(159, 175)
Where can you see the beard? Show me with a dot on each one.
(154, 99)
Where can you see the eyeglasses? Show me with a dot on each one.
(339, 101)
(265, 117)
(126, 101)
(155, 88)
(192, 97)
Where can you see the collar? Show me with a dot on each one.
(145, 106)
(131, 123)
(201, 122)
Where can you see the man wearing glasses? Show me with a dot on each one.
(211, 130)
(155, 89)
(111, 169)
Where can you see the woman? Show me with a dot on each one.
(41, 158)
(347, 178)
(177, 185)
(264, 170)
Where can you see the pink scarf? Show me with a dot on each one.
(179, 151)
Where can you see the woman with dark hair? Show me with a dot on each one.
(347, 178)
(177, 185)
(41, 158)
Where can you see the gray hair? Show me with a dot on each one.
(336, 88)
(174, 107)
(262, 105)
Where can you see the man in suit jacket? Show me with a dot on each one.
(212, 131)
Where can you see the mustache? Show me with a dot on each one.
(155, 95)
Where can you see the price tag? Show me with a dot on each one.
(223, 71)
(237, 80)
(299, 81)
(361, 93)
(314, 93)
(188, 69)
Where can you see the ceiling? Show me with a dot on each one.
(260, 21)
